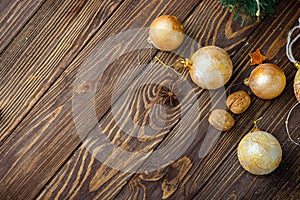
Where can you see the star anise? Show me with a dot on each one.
(168, 94)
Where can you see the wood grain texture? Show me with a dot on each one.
(33, 66)
(39, 54)
(110, 125)
(219, 175)
(53, 120)
(13, 16)
(231, 174)
(45, 139)
(59, 187)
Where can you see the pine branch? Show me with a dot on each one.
(248, 9)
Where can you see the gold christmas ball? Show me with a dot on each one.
(297, 85)
(259, 153)
(211, 67)
(267, 81)
(166, 33)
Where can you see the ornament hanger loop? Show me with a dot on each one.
(258, 9)
(287, 123)
(290, 43)
(255, 127)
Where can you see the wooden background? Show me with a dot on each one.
(43, 43)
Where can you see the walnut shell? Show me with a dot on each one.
(238, 102)
(221, 120)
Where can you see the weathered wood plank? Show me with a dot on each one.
(13, 16)
(57, 115)
(39, 54)
(236, 182)
(212, 174)
(62, 184)
(81, 159)
(114, 180)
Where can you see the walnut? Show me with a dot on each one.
(238, 102)
(221, 120)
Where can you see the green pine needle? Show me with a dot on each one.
(247, 9)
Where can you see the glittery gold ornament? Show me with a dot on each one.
(259, 153)
(267, 81)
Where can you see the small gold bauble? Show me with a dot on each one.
(267, 81)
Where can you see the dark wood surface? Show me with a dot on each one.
(43, 46)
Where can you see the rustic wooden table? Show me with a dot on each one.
(43, 45)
